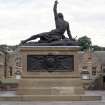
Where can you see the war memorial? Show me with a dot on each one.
(50, 66)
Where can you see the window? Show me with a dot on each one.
(93, 72)
(84, 67)
(11, 72)
(103, 78)
(94, 68)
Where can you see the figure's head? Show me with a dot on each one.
(60, 15)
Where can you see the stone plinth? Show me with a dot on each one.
(42, 80)
(28, 52)
(50, 82)
(46, 85)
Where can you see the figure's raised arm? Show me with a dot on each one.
(55, 9)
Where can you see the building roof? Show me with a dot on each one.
(100, 56)
(1, 53)
(97, 56)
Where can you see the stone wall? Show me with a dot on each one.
(8, 67)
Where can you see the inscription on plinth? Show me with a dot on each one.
(50, 63)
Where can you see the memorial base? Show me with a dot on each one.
(42, 85)
(50, 85)
(53, 88)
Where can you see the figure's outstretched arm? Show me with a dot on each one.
(55, 9)
(68, 32)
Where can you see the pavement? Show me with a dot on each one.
(52, 103)
(102, 102)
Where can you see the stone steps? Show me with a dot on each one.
(50, 91)
(50, 86)
(50, 98)
(50, 82)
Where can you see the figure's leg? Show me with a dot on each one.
(31, 38)
(34, 37)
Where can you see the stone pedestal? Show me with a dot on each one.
(50, 85)
(50, 82)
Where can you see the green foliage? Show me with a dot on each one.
(84, 42)
(4, 48)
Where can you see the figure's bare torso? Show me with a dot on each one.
(61, 25)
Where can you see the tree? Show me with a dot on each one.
(84, 42)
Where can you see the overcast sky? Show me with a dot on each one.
(19, 19)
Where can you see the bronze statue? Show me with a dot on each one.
(54, 37)
(56, 34)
